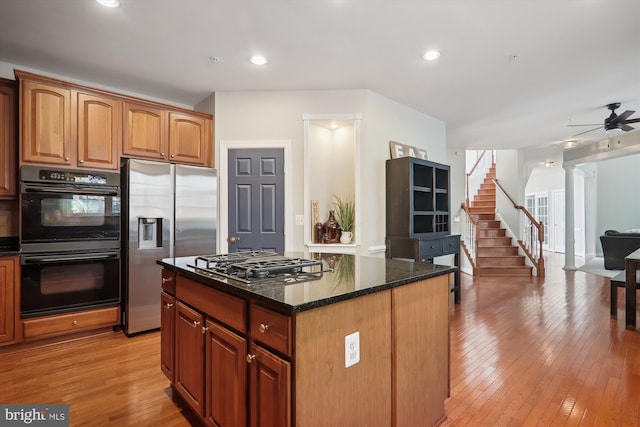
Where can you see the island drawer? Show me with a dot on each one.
(270, 328)
(430, 249)
(227, 309)
(168, 281)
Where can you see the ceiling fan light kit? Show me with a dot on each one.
(614, 124)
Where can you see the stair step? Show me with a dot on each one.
(491, 232)
(504, 271)
(483, 203)
(485, 251)
(487, 223)
(479, 215)
(494, 241)
(487, 191)
(500, 261)
(485, 198)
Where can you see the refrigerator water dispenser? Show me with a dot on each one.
(149, 233)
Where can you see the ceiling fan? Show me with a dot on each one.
(613, 123)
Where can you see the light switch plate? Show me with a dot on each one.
(351, 349)
(299, 219)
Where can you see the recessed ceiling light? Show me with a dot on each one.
(258, 60)
(569, 143)
(431, 55)
(109, 3)
(548, 164)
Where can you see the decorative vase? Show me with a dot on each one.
(330, 229)
(346, 237)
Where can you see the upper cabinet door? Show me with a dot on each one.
(145, 132)
(45, 124)
(189, 139)
(7, 140)
(99, 131)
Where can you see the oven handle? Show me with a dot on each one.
(74, 190)
(66, 258)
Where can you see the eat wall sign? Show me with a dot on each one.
(403, 150)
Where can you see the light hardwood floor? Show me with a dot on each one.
(524, 352)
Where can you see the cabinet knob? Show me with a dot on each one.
(168, 305)
(263, 328)
(251, 358)
(66, 159)
(204, 330)
(80, 161)
(173, 156)
(166, 279)
(75, 323)
(162, 154)
(195, 324)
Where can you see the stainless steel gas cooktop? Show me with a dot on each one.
(258, 266)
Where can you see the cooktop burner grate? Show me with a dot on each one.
(253, 266)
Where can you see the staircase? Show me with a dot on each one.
(496, 254)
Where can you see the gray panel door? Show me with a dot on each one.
(256, 200)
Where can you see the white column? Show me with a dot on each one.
(569, 226)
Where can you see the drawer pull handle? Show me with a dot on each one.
(168, 305)
(75, 323)
(251, 358)
(166, 279)
(263, 328)
(204, 330)
(195, 323)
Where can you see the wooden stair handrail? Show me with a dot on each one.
(540, 263)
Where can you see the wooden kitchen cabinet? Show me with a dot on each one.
(8, 176)
(66, 125)
(189, 348)
(8, 281)
(45, 123)
(145, 131)
(190, 139)
(99, 131)
(167, 335)
(270, 391)
(75, 126)
(155, 133)
(226, 377)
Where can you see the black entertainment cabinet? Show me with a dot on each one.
(418, 213)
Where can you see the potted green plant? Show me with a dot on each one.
(345, 216)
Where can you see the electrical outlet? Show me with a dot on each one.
(351, 349)
(299, 219)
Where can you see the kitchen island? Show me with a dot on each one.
(358, 341)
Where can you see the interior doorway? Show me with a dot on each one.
(223, 182)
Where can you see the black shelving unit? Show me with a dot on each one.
(418, 216)
(418, 198)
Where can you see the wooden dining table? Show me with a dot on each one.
(631, 265)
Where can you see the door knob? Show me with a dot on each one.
(233, 239)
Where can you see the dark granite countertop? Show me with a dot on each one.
(9, 246)
(352, 276)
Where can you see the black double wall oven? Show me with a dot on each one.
(70, 240)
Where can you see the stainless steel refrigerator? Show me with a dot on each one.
(167, 211)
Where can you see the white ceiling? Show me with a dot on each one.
(573, 56)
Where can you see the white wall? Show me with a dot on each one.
(510, 175)
(278, 115)
(618, 190)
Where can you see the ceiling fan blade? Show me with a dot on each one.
(632, 121)
(590, 124)
(587, 131)
(626, 127)
(622, 117)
